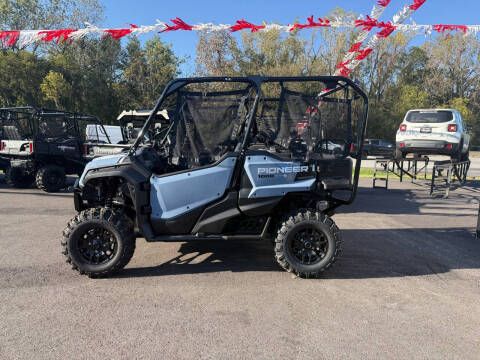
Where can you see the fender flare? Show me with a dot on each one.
(138, 180)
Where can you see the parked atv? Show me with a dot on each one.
(46, 146)
(241, 158)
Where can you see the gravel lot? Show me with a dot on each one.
(406, 286)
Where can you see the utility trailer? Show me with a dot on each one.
(443, 172)
(47, 145)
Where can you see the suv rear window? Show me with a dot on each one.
(429, 116)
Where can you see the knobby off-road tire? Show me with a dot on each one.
(99, 242)
(17, 178)
(51, 178)
(307, 243)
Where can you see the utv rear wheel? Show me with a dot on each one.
(99, 242)
(17, 177)
(51, 178)
(307, 243)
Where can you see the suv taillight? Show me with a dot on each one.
(30, 147)
(3, 145)
(452, 128)
(403, 127)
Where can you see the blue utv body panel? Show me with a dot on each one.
(177, 194)
(271, 177)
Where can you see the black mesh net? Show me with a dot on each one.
(56, 126)
(15, 124)
(321, 125)
(208, 124)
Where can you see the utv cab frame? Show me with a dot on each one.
(242, 158)
(51, 145)
(132, 122)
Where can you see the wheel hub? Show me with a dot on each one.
(97, 245)
(309, 246)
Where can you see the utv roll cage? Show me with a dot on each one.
(337, 90)
(29, 121)
(43, 145)
(132, 121)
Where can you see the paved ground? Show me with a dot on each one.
(407, 286)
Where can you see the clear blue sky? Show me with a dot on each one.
(118, 13)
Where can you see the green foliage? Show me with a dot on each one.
(145, 72)
(56, 89)
(20, 76)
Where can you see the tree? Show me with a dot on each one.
(145, 72)
(56, 89)
(91, 68)
(20, 77)
(48, 14)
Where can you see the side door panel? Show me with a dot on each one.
(178, 194)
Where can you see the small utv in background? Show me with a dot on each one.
(240, 159)
(46, 145)
(132, 122)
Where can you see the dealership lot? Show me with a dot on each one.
(407, 285)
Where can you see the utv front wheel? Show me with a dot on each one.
(51, 178)
(17, 177)
(307, 243)
(99, 242)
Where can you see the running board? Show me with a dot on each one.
(202, 237)
(187, 238)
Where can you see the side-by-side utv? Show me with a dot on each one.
(132, 121)
(241, 158)
(43, 146)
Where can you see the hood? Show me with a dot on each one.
(101, 162)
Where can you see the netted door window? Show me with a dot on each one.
(14, 125)
(209, 125)
(56, 126)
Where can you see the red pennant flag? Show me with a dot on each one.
(441, 28)
(178, 24)
(417, 4)
(9, 37)
(56, 35)
(243, 24)
(311, 24)
(362, 54)
(355, 47)
(384, 3)
(367, 24)
(388, 29)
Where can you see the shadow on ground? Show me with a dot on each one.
(366, 254)
(32, 190)
(416, 200)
